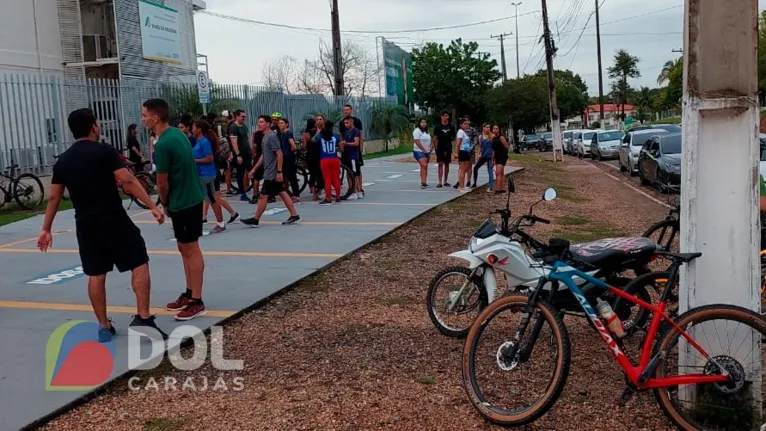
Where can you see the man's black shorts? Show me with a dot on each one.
(187, 224)
(443, 156)
(247, 162)
(109, 243)
(258, 175)
(352, 164)
(272, 188)
(464, 156)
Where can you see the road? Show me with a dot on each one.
(40, 291)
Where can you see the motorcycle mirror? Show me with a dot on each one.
(511, 184)
(549, 194)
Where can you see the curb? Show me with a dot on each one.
(83, 399)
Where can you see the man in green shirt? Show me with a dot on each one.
(181, 195)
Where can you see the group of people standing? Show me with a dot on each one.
(461, 144)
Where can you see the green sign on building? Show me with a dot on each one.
(398, 66)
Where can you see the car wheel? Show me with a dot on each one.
(622, 168)
(644, 181)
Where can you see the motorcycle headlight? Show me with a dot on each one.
(474, 243)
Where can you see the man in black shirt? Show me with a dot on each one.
(106, 235)
(257, 173)
(240, 146)
(134, 147)
(444, 134)
(348, 111)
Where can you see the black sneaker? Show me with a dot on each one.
(337, 201)
(292, 220)
(325, 202)
(455, 186)
(446, 184)
(254, 200)
(438, 186)
(139, 324)
(204, 221)
(424, 185)
(234, 217)
(252, 222)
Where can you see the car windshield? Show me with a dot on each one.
(587, 135)
(567, 135)
(640, 138)
(610, 136)
(531, 137)
(671, 145)
(576, 135)
(547, 135)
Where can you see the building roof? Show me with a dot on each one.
(610, 107)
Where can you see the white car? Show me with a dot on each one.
(631, 147)
(582, 146)
(763, 154)
(605, 144)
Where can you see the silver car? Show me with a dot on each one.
(606, 144)
(582, 145)
(631, 147)
(566, 141)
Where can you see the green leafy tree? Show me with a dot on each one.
(625, 66)
(389, 121)
(644, 99)
(453, 77)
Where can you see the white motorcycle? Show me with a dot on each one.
(505, 249)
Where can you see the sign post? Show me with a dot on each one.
(203, 89)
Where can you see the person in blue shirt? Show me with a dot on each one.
(486, 157)
(204, 155)
(329, 144)
(350, 149)
(289, 149)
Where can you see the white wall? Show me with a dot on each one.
(18, 50)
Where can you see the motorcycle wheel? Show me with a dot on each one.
(470, 306)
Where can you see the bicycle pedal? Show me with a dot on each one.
(626, 396)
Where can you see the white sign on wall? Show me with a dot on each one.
(203, 87)
(160, 34)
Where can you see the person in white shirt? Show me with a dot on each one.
(421, 150)
(464, 147)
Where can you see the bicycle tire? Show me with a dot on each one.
(673, 224)
(430, 299)
(699, 314)
(147, 183)
(538, 409)
(637, 287)
(345, 173)
(17, 194)
(302, 174)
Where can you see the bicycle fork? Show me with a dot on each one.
(516, 349)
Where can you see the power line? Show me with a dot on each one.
(292, 27)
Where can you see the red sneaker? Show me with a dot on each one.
(179, 304)
(192, 310)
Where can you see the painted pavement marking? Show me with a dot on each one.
(57, 306)
(65, 274)
(175, 253)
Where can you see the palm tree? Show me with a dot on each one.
(644, 101)
(389, 121)
(625, 66)
(668, 68)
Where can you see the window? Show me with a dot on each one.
(653, 146)
(576, 135)
(610, 136)
(671, 145)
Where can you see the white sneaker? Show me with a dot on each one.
(464, 190)
(353, 197)
(360, 195)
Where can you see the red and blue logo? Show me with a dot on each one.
(74, 358)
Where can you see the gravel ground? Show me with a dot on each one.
(353, 348)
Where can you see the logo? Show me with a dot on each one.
(74, 358)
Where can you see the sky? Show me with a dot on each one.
(648, 29)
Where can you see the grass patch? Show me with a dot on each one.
(425, 381)
(572, 221)
(164, 424)
(588, 232)
(668, 120)
(13, 213)
(569, 195)
(316, 283)
(401, 149)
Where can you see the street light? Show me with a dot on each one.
(518, 71)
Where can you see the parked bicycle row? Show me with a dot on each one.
(516, 354)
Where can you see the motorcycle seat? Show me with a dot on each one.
(609, 252)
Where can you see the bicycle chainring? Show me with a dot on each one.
(733, 367)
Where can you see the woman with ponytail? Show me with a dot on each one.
(204, 154)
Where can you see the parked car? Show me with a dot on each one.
(576, 137)
(631, 147)
(566, 141)
(529, 142)
(763, 154)
(670, 128)
(606, 144)
(583, 144)
(546, 142)
(659, 162)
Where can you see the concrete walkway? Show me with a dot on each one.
(39, 292)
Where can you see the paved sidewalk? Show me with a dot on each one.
(40, 291)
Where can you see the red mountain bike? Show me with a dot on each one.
(698, 384)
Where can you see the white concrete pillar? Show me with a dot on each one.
(719, 180)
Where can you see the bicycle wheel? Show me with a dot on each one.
(303, 179)
(28, 191)
(147, 183)
(347, 182)
(665, 234)
(551, 340)
(3, 196)
(442, 292)
(648, 288)
(713, 406)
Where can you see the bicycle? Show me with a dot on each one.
(22, 189)
(721, 380)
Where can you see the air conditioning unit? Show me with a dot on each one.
(95, 47)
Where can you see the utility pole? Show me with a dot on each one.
(336, 51)
(720, 213)
(600, 69)
(550, 51)
(502, 52)
(518, 70)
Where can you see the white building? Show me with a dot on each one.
(60, 55)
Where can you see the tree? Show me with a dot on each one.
(389, 121)
(281, 73)
(644, 101)
(453, 77)
(309, 79)
(625, 66)
(358, 68)
(669, 66)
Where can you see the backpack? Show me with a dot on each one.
(223, 152)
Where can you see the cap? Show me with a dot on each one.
(276, 115)
(225, 113)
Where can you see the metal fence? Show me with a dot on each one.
(33, 110)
